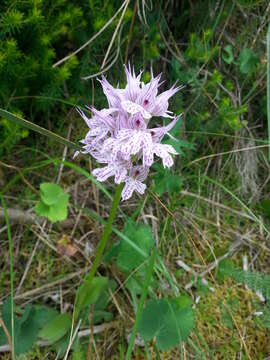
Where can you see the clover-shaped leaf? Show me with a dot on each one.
(53, 203)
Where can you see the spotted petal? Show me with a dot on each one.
(133, 108)
(163, 151)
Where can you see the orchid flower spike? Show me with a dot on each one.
(119, 137)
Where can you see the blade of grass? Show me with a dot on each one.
(268, 86)
(11, 275)
(29, 125)
(141, 303)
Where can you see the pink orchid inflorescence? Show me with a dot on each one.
(119, 136)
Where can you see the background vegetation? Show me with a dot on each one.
(208, 218)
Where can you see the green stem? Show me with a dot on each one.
(11, 275)
(107, 232)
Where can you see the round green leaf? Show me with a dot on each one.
(50, 193)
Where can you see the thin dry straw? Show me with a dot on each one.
(111, 63)
(114, 35)
(92, 38)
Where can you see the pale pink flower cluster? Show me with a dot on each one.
(119, 137)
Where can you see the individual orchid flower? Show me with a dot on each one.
(134, 182)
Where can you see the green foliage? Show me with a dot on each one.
(33, 36)
(168, 321)
(247, 61)
(89, 292)
(132, 263)
(27, 326)
(165, 181)
(55, 329)
(199, 48)
(41, 322)
(53, 203)
(141, 235)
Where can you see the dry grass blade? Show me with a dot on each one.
(227, 153)
(114, 34)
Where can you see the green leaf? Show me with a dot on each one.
(44, 315)
(78, 352)
(89, 292)
(26, 327)
(28, 331)
(183, 301)
(58, 212)
(141, 235)
(247, 61)
(50, 193)
(42, 209)
(53, 203)
(55, 329)
(165, 321)
(227, 55)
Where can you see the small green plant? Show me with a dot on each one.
(53, 202)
